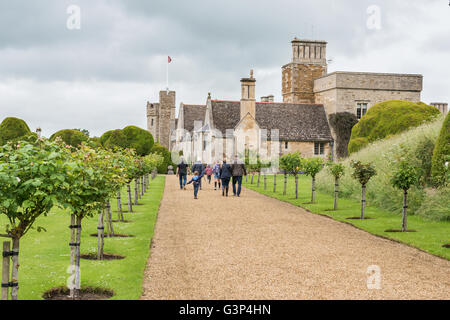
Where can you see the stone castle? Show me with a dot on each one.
(310, 96)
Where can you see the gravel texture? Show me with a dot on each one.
(255, 247)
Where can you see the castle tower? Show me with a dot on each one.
(309, 62)
(248, 101)
(161, 118)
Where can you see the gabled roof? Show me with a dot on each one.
(191, 114)
(295, 122)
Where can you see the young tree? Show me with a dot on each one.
(93, 178)
(312, 167)
(31, 178)
(292, 164)
(363, 172)
(337, 171)
(404, 178)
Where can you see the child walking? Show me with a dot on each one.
(196, 179)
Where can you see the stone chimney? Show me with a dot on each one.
(248, 101)
(269, 98)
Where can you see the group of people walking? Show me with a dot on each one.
(223, 174)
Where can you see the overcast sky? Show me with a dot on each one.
(99, 77)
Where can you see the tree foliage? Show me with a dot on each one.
(342, 124)
(405, 176)
(362, 171)
(389, 118)
(165, 154)
(32, 176)
(312, 166)
(337, 170)
(291, 163)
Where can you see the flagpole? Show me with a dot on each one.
(167, 88)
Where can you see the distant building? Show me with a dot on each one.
(310, 96)
(441, 106)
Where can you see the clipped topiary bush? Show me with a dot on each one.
(130, 137)
(389, 118)
(165, 153)
(72, 137)
(13, 129)
(138, 139)
(441, 156)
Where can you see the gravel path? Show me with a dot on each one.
(255, 247)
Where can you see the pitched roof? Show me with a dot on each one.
(295, 122)
(226, 114)
(191, 114)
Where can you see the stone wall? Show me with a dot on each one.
(305, 148)
(298, 82)
(153, 119)
(166, 120)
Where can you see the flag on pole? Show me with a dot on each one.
(169, 59)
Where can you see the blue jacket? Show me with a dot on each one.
(196, 179)
(225, 171)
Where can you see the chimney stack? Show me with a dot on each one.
(248, 101)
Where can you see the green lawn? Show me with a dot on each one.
(430, 235)
(45, 257)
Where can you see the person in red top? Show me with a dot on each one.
(208, 172)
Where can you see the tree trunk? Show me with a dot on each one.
(72, 255)
(253, 175)
(363, 200)
(130, 203)
(109, 216)
(101, 234)
(265, 182)
(77, 289)
(259, 179)
(5, 269)
(285, 184)
(336, 193)
(119, 207)
(143, 186)
(136, 194)
(15, 269)
(296, 186)
(246, 179)
(313, 190)
(275, 183)
(404, 221)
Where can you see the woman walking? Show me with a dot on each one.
(225, 175)
(208, 172)
(216, 171)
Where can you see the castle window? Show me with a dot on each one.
(361, 109)
(319, 148)
(286, 145)
(152, 122)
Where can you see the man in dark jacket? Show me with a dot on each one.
(238, 170)
(182, 173)
(200, 168)
(225, 176)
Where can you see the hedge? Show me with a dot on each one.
(72, 137)
(13, 129)
(389, 118)
(441, 155)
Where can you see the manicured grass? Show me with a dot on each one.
(45, 257)
(430, 237)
